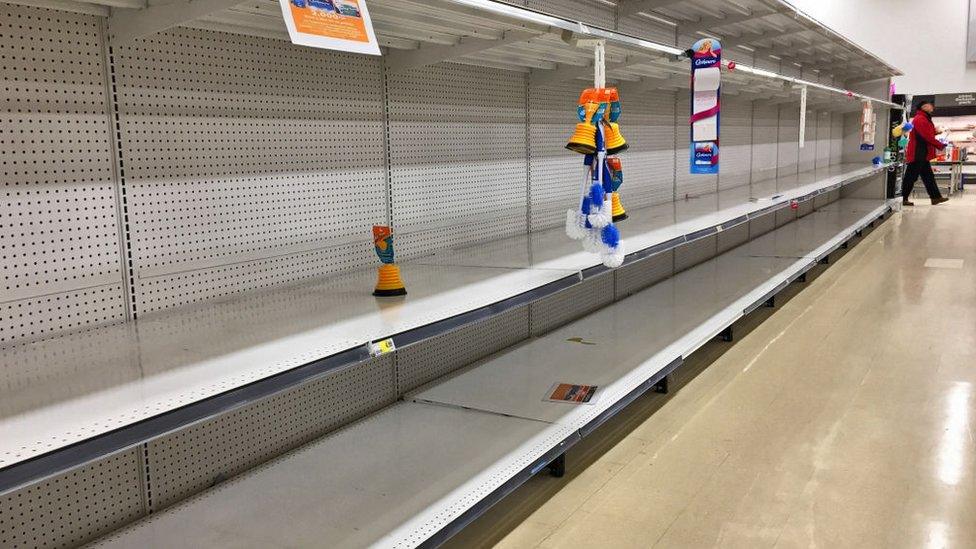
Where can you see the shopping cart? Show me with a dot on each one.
(948, 176)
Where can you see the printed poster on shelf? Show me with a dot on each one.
(572, 393)
(330, 24)
(706, 78)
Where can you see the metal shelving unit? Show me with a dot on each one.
(188, 199)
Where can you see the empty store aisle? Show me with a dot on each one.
(842, 420)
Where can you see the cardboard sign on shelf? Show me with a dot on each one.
(706, 78)
(572, 393)
(330, 24)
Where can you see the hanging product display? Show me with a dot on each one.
(597, 134)
(593, 221)
(901, 129)
(706, 79)
(615, 141)
(388, 282)
(903, 142)
(616, 180)
(868, 126)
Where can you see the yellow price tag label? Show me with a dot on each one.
(383, 347)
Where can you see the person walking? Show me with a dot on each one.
(922, 145)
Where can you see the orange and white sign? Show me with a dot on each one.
(330, 24)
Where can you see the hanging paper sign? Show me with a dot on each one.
(330, 24)
(706, 77)
(803, 116)
(868, 123)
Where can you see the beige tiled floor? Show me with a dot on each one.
(844, 418)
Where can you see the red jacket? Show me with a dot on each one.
(921, 141)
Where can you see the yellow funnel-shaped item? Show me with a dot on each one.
(615, 142)
(619, 213)
(583, 140)
(388, 282)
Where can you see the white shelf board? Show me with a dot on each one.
(793, 240)
(397, 476)
(635, 338)
(62, 390)
(646, 327)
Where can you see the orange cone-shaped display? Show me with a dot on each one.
(583, 139)
(615, 142)
(619, 213)
(388, 282)
(590, 110)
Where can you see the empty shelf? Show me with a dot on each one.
(418, 469)
(98, 382)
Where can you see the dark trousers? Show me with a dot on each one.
(919, 169)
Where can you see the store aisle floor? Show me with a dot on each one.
(842, 419)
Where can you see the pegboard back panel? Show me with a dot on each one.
(572, 303)
(229, 171)
(433, 358)
(825, 199)
(736, 148)
(698, 251)
(180, 289)
(556, 173)
(594, 12)
(823, 139)
(647, 123)
(808, 154)
(788, 148)
(457, 155)
(805, 207)
(873, 187)
(59, 225)
(25, 320)
(767, 63)
(851, 131)
(836, 138)
(761, 225)
(765, 129)
(641, 26)
(75, 507)
(785, 215)
(732, 237)
(789, 69)
(634, 277)
(195, 458)
(686, 184)
(40, 373)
